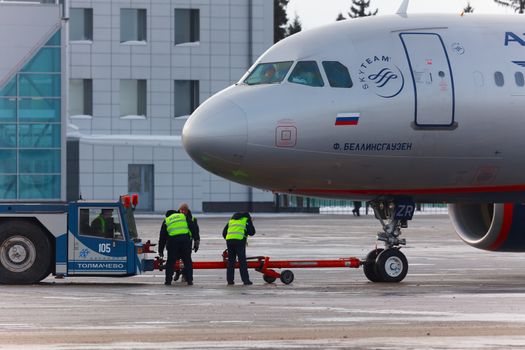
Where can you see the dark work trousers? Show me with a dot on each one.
(237, 248)
(179, 247)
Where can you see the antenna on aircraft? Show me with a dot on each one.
(403, 8)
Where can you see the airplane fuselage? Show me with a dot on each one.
(435, 112)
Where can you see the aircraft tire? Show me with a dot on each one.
(268, 279)
(391, 265)
(369, 267)
(287, 276)
(25, 253)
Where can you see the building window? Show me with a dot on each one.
(132, 25)
(186, 97)
(81, 97)
(133, 97)
(187, 26)
(499, 79)
(81, 24)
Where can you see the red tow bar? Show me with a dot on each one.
(266, 266)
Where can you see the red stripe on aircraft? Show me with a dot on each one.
(508, 212)
(488, 189)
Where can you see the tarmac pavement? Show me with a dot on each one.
(454, 296)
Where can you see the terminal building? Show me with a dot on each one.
(137, 70)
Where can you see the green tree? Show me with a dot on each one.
(294, 27)
(280, 19)
(359, 7)
(517, 5)
(468, 9)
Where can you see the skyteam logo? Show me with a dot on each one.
(381, 76)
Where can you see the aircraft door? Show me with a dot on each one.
(432, 79)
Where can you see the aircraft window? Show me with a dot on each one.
(268, 73)
(306, 73)
(520, 81)
(338, 75)
(500, 80)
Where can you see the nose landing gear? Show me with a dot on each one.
(389, 264)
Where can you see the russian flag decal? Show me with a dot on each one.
(347, 119)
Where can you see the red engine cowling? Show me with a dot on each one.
(496, 227)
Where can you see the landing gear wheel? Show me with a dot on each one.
(391, 266)
(287, 277)
(25, 253)
(269, 279)
(369, 267)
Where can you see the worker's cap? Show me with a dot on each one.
(170, 212)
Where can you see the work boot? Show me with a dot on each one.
(231, 283)
(190, 283)
(177, 275)
(248, 283)
(167, 283)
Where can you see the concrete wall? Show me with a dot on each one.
(226, 50)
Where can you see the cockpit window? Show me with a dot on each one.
(338, 75)
(306, 73)
(268, 73)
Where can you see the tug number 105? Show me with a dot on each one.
(104, 248)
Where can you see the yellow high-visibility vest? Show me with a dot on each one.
(102, 222)
(237, 229)
(176, 225)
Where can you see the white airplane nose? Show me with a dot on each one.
(215, 136)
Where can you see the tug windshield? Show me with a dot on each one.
(132, 227)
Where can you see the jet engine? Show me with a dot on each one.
(497, 227)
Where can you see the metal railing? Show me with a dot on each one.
(334, 206)
(347, 209)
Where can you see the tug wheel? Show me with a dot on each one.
(25, 253)
(269, 279)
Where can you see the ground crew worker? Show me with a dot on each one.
(176, 235)
(357, 207)
(236, 233)
(195, 233)
(103, 225)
